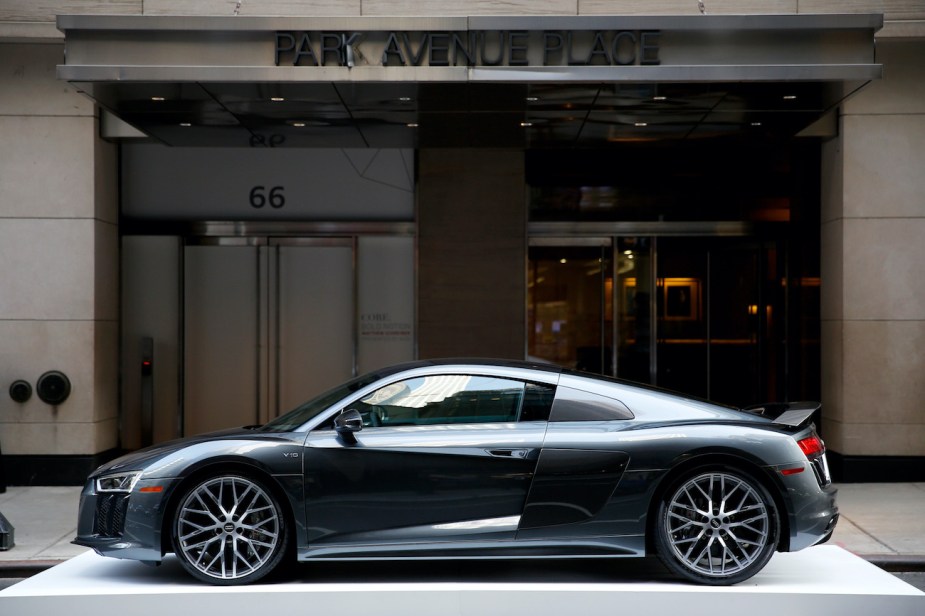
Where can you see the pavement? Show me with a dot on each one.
(881, 522)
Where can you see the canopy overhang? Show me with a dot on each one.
(536, 81)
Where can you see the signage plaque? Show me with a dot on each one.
(470, 48)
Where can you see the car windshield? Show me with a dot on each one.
(297, 417)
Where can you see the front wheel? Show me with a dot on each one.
(229, 530)
(716, 527)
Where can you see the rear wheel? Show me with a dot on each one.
(229, 530)
(716, 527)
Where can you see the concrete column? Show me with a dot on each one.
(471, 253)
(873, 254)
(59, 253)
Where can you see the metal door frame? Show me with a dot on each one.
(268, 312)
(581, 234)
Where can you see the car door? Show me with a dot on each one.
(579, 468)
(441, 458)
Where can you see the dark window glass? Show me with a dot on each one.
(577, 405)
(537, 402)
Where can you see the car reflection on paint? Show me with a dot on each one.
(475, 459)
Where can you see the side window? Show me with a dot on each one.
(537, 402)
(443, 399)
(577, 405)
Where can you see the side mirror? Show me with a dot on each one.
(348, 422)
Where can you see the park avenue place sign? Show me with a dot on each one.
(470, 48)
(566, 48)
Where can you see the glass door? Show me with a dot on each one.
(701, 315)
(635, 305)
(570, 303)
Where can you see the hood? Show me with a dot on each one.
(138, 460)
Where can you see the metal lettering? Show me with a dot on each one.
(467, 48)
(472, 48)
(393, 48)
(415, 57)
(648, 47)
(517, 49)
(624, 48)
(552, 43)
(568, 48)
(284, 36)
(305, 49)
(494, 61)
(336, 49)
(439, 49)
(598, 50)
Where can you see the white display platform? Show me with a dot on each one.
(819, 580)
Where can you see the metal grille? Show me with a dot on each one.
(110, 515)
(822, 474)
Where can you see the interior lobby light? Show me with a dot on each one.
(157, 98)
(277, 99)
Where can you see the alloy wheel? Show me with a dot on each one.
(229, 528)
(718, 525)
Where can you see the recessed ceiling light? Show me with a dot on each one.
(157, 98)
(277, 99)
(185, 124)
(627, 252)
(641, 124)
(790, 97)
(405, 99)
(660, 98)
(412, 124)
(532, 99)
(526, 124)
(756, 123)
(299, 124)
(563, 261)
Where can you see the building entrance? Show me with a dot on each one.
(223, 330)
(266, 327)
(700, 315)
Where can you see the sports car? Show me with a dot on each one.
(475, 460)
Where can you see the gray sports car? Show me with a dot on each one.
(475, 459)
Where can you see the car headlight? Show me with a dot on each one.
(118, 482)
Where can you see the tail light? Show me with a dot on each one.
(812, 446)
(814, 450)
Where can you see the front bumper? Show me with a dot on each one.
(124, 525)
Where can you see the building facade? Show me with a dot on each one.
(211, 212)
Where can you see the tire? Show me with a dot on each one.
(218, 543)
(716, 527)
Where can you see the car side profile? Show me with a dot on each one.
(475, 460)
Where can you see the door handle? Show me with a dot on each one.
(508, 453)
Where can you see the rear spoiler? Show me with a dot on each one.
(793, 414)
